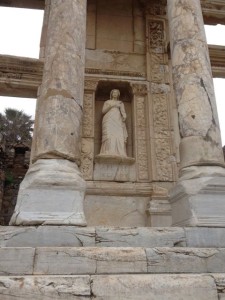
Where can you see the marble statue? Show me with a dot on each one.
(114, 132)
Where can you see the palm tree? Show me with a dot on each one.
(16, 126)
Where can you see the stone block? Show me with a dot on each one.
(47, 236)
(45, 287)
(71, 261)
(51, 193)
(157, 287)
(205, 237)
(121, 260)
(140, 237)
(16, 261)
(67, 261)
(116, 210)
(199, 201)
(185, 260)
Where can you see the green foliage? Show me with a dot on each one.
(9, 179)
(16, 126)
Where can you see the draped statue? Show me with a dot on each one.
(114, 132)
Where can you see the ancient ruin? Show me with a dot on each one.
(124, 197)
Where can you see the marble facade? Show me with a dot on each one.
(161, 66)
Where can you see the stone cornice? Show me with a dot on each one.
(33, 4)
(21, 76)
(217, 57)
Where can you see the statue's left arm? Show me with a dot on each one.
(123, 112)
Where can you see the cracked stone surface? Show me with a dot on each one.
(110, 260)
(44, 236)
(72, 236)
(185, 260)
(139, 237)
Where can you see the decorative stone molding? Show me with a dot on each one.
(114, 73)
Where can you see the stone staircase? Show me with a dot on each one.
(67, 262)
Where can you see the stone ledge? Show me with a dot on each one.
(110, 260)
(111, 287)
(148, 237)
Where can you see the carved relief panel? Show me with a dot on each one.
(163, 160)
(87, 142)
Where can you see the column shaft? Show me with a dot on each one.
(198, 197)
(193, 84)
(52, 191)
(60, 100)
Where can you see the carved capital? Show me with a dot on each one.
(139, 89)
(90, 85)
(155, 8)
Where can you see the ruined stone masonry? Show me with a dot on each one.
(124, 197)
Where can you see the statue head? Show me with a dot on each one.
(115, 93)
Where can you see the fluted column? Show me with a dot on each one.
(202, 162)
(53, 190)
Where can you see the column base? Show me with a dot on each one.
(52, 193)
(199, 200)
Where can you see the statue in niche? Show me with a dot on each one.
(114, 131)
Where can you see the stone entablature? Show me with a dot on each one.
(21, 76)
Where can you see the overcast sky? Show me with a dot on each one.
(20, 31)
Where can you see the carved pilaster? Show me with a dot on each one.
(163, 160)
(141, 124)
(87, 144)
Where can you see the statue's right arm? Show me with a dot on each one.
(106, 107)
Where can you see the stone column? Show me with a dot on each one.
(199, 197)
(53, 190)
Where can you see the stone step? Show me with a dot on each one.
(114, 260)
(114, 287)
(148, 237)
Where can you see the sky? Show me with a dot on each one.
(20, 31)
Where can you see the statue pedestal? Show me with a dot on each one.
(199, 200)
(51, 193)
(114, 168)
